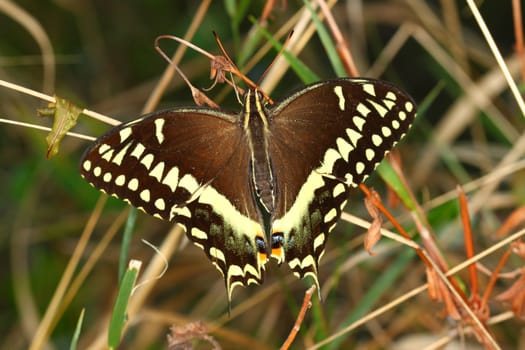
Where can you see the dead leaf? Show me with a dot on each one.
(515, 296)
(374, 231)
(65, 116)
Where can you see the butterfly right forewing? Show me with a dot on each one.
(327, 138)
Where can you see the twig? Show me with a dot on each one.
(306, 305)
(51, 99)
(518, 32)
(497, 55)
(469, 245)
(45, 128)
(341, 44)
(166, 77)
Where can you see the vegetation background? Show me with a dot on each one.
(99, 54)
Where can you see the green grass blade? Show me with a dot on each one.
(76, 335)
(327, 42)
(119, 314)
(388, 174)
(384, 284)
(126, 241)
(305, 74)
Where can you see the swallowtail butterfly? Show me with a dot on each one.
(271, 180)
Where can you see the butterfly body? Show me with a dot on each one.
(270, 181)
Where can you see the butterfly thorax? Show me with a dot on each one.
(254, 118)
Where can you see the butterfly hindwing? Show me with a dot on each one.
(320, 148)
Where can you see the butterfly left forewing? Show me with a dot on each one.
(184, 165)
(325, 139)
(153, 162)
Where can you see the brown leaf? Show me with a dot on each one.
(515, 296)
(518, 248)
(439, 292)
(516, 218)
(374, 231)
(201, 99)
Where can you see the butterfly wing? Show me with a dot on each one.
(183, 165)
(325, 139)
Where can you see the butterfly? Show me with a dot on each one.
(270, 181)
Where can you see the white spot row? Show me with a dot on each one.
(145, 195)
(370, 154)
(125, 133)
(133, 184)
(119, 157)
(338, 189)
(369, 88)
(138, 150)
(391, 96)
(362, 109)
(198, 233)
(97, 171)
(120, 180)
(147, 160)
(180, 211)
(87, 165)
(331, 215)
(344, 148)
(103, 148)
(380, 109)
(338, 90)
(217, 254)
(159, 125)
(359, 122)
(319, 241)
(377, 140)
(353, 136)
(308, 261)
(157, 171)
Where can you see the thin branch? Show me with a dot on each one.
(45, 128)
(306, 305)
(51, 99)
(497, 55)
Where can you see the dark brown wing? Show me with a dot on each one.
(327, 138)
(187, 165)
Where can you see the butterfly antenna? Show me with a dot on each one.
(275, 58)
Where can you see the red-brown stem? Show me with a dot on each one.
(494, 278)
(394, 222)
(306, 305)
(518, 32)
(469, 245)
